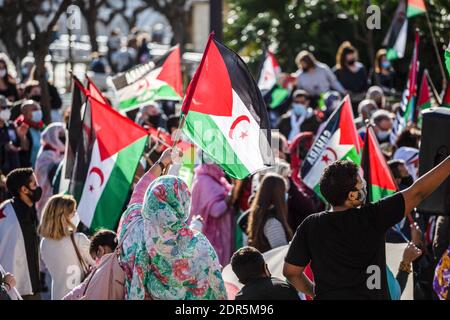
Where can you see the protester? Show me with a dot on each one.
(48, 159)
(366, 109)
(376, 94)
(149, 116)
(55, 99)
(315, 77)
(26, 65)
(211, 200)
(13, 139)
(267, 223)
(7, 82)
(382, 125)
(31, 116)
(102, 242)
(159, 238)
(327, 240)
(19, 242)
(350, 72)
(384, 75)
(64, 251)
(249, 266)
(97, 64)
(300, 118)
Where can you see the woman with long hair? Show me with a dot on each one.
(64, 252)
(351, 73)
(7, 81)
(384, 74)
(267, 226)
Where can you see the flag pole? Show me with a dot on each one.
(190, 94)
(436, 50)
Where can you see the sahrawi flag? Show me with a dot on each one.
(339, 140)
(160, 80)
(105, 164)
(273, 93)
(415, 7)
(225, 113)
(377, 174)
(395, 40)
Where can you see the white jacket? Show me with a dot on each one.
(13, 256)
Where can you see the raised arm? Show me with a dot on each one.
(154, 172)
(425, 185)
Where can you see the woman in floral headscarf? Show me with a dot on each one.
(162, 256)
(50, 155)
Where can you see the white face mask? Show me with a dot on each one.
(36, 116)
(383, 134)
(75, 220)
(5, 114)
(2, 73)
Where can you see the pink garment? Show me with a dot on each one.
(209, 192)
(137, 197)
(49, 156)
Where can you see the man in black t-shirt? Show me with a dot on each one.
(249, 266)
(346, 245)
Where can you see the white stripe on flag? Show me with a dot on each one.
(332, 151)
(148, 82)
(247, 148)
(94, 184)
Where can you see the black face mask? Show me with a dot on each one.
(154, 120)
(406, 182)
(36, 98)
(351, 62)
(35, 194)
(63, 140)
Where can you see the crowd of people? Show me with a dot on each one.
(173, 240)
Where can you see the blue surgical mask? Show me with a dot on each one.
(386, 64)
(299, 109)
(36, 116)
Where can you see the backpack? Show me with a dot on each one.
(107, 281)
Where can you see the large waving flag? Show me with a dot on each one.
(406, 113)
(377, 174)
(273, 93)
(225, 113)
(160, 80)
(105, 164)
(415, 7)
(395, 40)
(339, 140)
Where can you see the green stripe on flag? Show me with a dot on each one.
(378, 193)
(391, 54)
(447, 60)
(217, 146)
(413, 11)
(164, 92)
(111, 202)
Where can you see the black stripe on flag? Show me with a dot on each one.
(246, 88)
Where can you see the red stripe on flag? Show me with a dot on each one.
(171, 71)
(349, 135)
(210, 90)
(106, 122)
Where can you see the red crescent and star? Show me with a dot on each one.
(99, 172)
(235, 123)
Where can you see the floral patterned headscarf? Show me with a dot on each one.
(184, 265)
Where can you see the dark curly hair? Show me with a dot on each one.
(337, 180)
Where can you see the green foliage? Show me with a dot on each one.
(288, 26)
